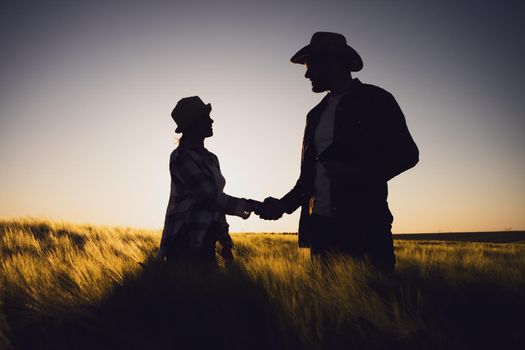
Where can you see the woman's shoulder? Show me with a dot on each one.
(182, 152)
(212, 155)
(185, 153)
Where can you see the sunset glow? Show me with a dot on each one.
(87, 90)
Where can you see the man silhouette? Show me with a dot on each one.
(356, 139)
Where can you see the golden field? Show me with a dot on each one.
(66, 286)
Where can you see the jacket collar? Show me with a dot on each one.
(354, 84)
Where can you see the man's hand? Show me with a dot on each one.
(340, 172)
(270, 209)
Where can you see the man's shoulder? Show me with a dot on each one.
(373, 91)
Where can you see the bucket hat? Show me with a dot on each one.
(188, 111)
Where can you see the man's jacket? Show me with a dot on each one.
(370, 133)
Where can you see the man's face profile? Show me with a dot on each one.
(318, 70)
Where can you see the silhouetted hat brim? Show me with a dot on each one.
(346, 52)
(206, 111)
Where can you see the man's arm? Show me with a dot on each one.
(273, 208)
(394, 150)
(294, 198)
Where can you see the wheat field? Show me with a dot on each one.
(67, 286)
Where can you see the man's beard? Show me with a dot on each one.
(319, 87)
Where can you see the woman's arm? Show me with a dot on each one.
(204, 187)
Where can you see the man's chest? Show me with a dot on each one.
(348, 121)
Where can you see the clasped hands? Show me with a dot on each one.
(273, 209)
(270, 209)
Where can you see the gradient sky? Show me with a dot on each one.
(87, 88)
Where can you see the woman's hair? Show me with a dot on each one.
(180, 139)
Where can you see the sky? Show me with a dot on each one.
(87, 88)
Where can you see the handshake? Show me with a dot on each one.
(270, 209)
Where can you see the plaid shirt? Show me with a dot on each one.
(197, 198)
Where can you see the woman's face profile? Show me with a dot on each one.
(203, 127)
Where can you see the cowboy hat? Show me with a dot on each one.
(189, 110)
(331, 44)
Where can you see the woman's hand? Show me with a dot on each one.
(250, 206)
(253, 205)
(226, 253)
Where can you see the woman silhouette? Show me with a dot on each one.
(195, 217)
